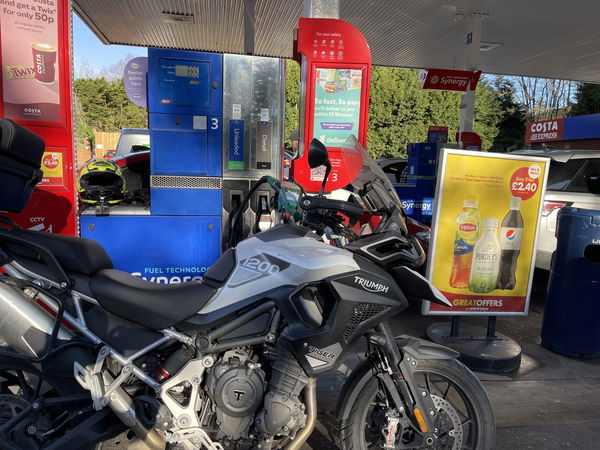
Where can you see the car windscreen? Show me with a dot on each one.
(561, 174)
(128, 140)
(579, 183)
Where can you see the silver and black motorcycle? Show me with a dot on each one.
(232, 362)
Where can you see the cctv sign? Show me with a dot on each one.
(545, 130)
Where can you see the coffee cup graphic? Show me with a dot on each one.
(44, 60)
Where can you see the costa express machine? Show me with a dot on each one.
(216, 125)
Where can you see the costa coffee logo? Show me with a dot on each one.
(545, 130)
(467, 227)
(543, 127)
(50, 162)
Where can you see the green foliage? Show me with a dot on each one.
(511, 129)
(401, 112)
(292, 99)
(102, 105)
(587, 100)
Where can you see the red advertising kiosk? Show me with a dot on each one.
(36, 92)
(336, 73)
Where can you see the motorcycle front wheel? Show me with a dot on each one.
(464, 419)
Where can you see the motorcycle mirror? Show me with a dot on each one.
(292, 153)
(317, 154)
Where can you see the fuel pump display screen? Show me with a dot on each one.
(184, 83)
(187, 71)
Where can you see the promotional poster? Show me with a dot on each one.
(30, 72)
(487, 212)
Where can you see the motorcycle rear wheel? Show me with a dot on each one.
(465, 418)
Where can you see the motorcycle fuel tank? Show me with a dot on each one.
(283, 256)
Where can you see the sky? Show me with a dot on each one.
(89, 54)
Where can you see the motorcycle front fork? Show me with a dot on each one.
(399, 381)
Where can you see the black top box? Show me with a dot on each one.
(21, 152)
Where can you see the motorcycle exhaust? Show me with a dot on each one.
(25, 326)
(310, 397)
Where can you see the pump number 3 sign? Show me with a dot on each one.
(486, 217)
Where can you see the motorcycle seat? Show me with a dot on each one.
(153, 305)
(74, 254)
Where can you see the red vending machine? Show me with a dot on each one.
(35, 55)
(336, 72)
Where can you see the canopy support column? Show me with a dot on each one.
(323, 9)
(472, 41)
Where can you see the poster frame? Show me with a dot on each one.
(441, 172)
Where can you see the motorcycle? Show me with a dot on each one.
(231, 362)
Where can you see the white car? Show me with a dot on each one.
(573, 180)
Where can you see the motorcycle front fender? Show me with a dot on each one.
(418, 349)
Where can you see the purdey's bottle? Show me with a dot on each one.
(486, 259)
(510, 240)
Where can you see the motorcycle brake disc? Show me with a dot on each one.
(448, 421)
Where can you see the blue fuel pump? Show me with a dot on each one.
(216, 126)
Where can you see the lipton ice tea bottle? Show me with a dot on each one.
(468, 231)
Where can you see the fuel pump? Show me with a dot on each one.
(253, 106)
(216, 127)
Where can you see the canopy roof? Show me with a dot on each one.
(540, 38)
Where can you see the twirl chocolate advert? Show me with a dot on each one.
(30, 59)
(486, 217)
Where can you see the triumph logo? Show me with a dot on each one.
(370, 285)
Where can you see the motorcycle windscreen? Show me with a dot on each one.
(416, 286)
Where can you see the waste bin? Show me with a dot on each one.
(571, 323)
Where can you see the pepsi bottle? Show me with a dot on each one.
(510, 241)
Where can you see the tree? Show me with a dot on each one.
(511, 129)
(587, 100)
(401, 111)
(104, 106)
(544, 98)
(292, 99)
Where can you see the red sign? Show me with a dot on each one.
(437, 135)
(336, 99)
(545, 130)
(35, 91)
(470, 140)
(449, 80)
(484, 304)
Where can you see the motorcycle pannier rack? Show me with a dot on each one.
(21, 153)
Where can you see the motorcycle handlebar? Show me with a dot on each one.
(350, 209)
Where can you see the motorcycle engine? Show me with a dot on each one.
(236, 384)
